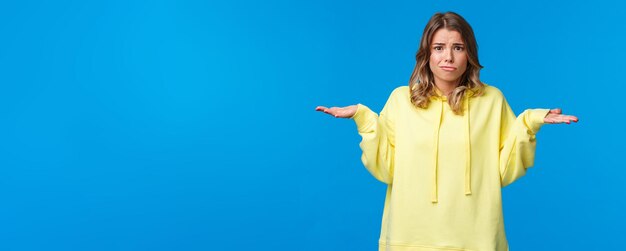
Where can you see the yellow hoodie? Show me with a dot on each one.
(445, 171)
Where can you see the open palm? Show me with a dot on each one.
(555, 117)
(339, 112)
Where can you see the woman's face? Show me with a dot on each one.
(448, 57)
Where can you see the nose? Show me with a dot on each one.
(449, 57)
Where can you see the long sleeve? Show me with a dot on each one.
(518, 142)
(378, 142)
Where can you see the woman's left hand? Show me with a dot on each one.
(555, 117)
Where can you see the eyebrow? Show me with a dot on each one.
(445, 44)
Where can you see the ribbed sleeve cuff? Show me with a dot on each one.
(535, 119)
(363, 116)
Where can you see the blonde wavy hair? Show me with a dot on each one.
(422, 83)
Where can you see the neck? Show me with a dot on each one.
(446, 87)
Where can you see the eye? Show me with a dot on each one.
(438, 48)
(459, 48)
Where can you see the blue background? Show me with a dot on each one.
(190, 125)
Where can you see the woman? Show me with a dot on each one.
(446, 144)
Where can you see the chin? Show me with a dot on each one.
(451, 79)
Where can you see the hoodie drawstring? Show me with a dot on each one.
(436, 149)
(468, 149)
(468, 169)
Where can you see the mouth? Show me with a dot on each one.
(447, 68)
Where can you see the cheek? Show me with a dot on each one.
(462, 59)
(434, 60)
(461, 62)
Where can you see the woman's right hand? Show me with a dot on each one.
(339, 112)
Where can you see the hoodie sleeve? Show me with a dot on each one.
(517, 141)
(378, 141)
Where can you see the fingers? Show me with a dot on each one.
(332, 111)
(324, 109)
(338, 112)
(557, 119)
(556, 111)
(321, 108)
(571, 118)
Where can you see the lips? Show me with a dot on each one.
(447, 68)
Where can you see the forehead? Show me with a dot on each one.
(447, 36)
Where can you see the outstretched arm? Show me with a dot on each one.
(518, 139)
(378, 137)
